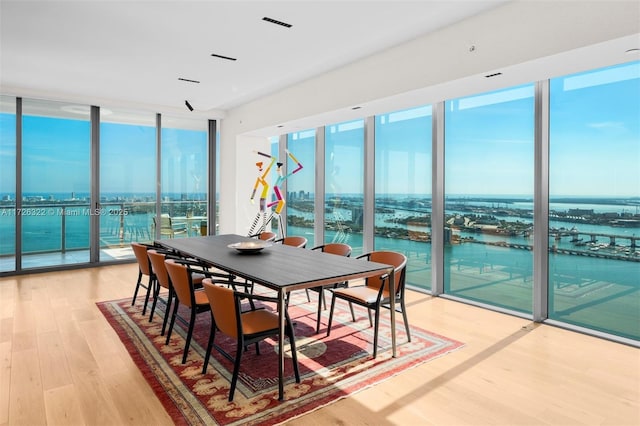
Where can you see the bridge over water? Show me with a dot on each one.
(593, 237)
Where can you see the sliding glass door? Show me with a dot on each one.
(184, 177)
(127, 180)
(56, 176)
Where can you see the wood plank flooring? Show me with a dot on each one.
(61, 363)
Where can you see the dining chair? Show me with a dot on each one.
(168, 227)
(374, 294)
(249, 327)
(181, 276)
(339, 249)
(265, 236)
(144, 270)
(295, 241)
(157, 257)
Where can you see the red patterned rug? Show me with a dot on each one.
(331, 367)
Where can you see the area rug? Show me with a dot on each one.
(331, 368)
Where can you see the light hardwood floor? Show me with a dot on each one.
(62, 364)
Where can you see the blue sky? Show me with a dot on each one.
(489, 141)
(56, 157)
(594, 150)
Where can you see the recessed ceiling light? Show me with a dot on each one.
(188, 80)
(632, 51)
(228, 58)
(77, 109)
(275, 21)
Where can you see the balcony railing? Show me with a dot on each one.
(65, 226)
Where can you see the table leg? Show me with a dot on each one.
(392, 305)
(281, 317)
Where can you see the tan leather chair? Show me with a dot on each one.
(186, 295)
(294, 241)
(265, 236)
(374, 294)
(246, 327)
(338, 249)
(144, 270)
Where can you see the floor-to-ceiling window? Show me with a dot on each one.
(7, 183)
(489, 170)
(403, 189)
(301, 184)
(184, 177)
(63, 164)
(594, 208)
(56, 176)
(127, 180)
(344, 184)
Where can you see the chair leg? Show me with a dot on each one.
(146, 299)
(138, 284)
(167, 311)
(308, 298)
(353, 314)
(375, 332)
(212, 335)
(236, 370)
(173, 320)
(333, 304)
(156, 294)
(406, 321)
(192, 322)
(370, 322)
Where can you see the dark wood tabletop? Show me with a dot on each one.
(278, 266)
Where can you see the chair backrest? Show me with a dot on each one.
(294, 241)
(159, 268)
(267, 236)
(339, 249)
(165, 221)
(397, 260)
(223, 307)
(140, 252)
(181, 281)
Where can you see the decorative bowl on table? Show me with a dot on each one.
(250, 246)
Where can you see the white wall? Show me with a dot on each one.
(516, 33)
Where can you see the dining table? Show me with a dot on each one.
(281, 268)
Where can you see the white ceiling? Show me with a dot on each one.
(131, 53)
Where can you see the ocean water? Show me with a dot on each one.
(594, 292)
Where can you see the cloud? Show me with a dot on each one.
(607, 125)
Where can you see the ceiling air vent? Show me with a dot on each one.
(275, 21)
(188, 80)
(495, 74)
(228, 58)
